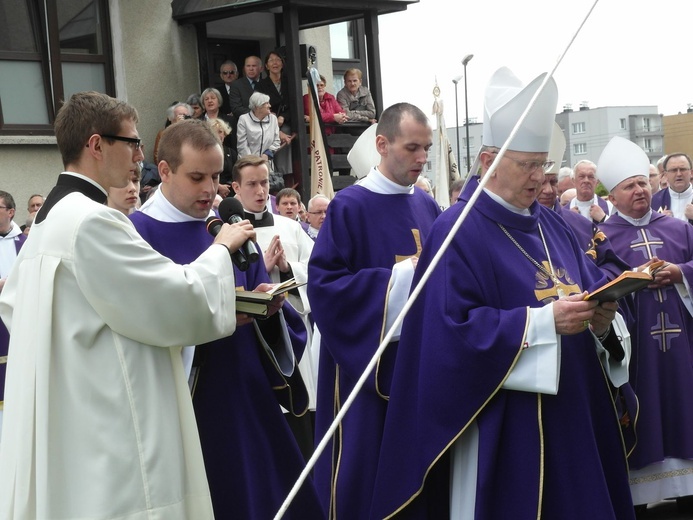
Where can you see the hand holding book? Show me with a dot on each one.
(265, 300)
(631, 281)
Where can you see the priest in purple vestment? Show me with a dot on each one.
(501, 403)
(11, 241)
(238, 382)
(661, 369)
(358, 278)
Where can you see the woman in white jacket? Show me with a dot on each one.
(258, 130)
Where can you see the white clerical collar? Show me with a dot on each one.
(685, 194)
(312, 232)
(584, 203)
(500, 200)
(639, 222)
(88, 179)
(376, 182)
(14, 231)
(258, 216)
(158, 207)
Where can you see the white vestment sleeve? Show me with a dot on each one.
(616, 371)
(398, 292)
(684, 291)
(538, 368)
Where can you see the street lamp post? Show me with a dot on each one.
(457, 123)
(466, 60)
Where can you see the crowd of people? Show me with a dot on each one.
(135, 389)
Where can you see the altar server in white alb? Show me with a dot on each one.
(98, 418)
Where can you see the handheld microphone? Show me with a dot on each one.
(239, 260)
(231, 211)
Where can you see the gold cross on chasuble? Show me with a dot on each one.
(417, 241)
(547, 287)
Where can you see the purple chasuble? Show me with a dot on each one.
(661, 367)
(250, 455)
(363, 236)
(539, 456)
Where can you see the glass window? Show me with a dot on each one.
(579, 128)
(580, 148)
(21, 81)
(623, 123)
(342, 41)
(47, 53)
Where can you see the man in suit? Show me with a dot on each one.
(676, 200)
(241, 89)
(228, 73)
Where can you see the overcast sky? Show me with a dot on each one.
(629, 52)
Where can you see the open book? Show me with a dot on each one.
(256, 303)
(627, 282)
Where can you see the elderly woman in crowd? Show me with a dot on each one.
(330, 111)
(355, 99)
(258, 130)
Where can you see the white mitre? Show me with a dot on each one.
(621, 160)
(364, 155)
(506, 99)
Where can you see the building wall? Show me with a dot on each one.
(587, 131)
(678, 132)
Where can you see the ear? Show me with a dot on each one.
(236, 187)
(612, 200)
(95, 144)
(486, 160)
(381, 143)
(164, 171)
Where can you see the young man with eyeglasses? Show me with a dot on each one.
(676, 200)
(98, 420)
(228, 72)
(501, 386)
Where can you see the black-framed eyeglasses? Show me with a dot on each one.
(678, 170)
(134, 142)
(229, 72)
